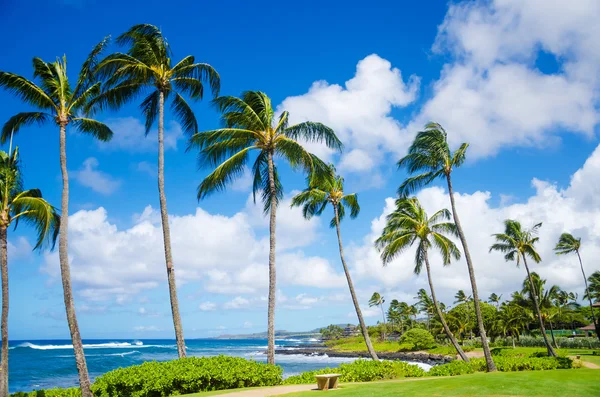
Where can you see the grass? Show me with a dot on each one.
(357, 344)
(586, 354)
(558, 383)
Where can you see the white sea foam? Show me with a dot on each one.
(110, 345)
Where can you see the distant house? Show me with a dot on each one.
(351, 330)
(590, 329)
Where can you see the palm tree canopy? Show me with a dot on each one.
(56, 99)
(461, 297)
(250, 124)
(147, 69)
(409, 223)
(567, 244)
(494, 298)
(546, 296)
(28, 206)
(376, 299)
(431, 157)
(323, 189)
(424, 301)
(516, 243)
(594, 286)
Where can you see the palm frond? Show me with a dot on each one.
(149, 108)
(224, 174)
(184, 113)
(414, 183)
(201, 72)
(237, 113)
(93, 127)
(314, 132)
(88, 69)
(567, 244)
(14, 124)
(351, 201)
(30, 207)
(26, 90)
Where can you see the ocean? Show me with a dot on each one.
(43, 364)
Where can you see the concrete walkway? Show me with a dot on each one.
(271, 391)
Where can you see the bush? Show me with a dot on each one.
(188, 375)
(420, 339)
(503, 363)
(456, 367)
(449, 350)
(406, 347)
(72, 392)
(362, 371)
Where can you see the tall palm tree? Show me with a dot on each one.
(324, 189)
(250, 126)
(495, 299)
(409, 224)
(62, 105)
(567, 244)
(430, 155)
(17, 204)
(146, 68)
(517, 244)
(425, 304)
(546, 298)
(377, 300)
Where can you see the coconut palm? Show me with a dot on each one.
(430, 155)
(593, 292)
(409, 224)
(517, 244)
(567, 244)
(250, 126)
(425, 305)
(62, 105)
(147, 69)
(546, 298)
(495, 299)
(324, 189)
(461, 297)
(377, 300)
(17, 204)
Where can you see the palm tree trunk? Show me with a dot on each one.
(164, 216)
(383, 334)
(361, 321)
(4, 331)
(551, 351)
(449, 333)
(65, 271)
(272, 270)
(587, 291)
(552, 335)
(484, 343)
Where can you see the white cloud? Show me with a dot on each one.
(111, 263)
(89, 175)
(129, 135)
(207, 306)
(247, 324)
(493, 95)
(573, 209)
(147, 328)
(359, 112)
(237, 303)
(147, 168)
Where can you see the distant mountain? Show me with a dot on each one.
(280, 334)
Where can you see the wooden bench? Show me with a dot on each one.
(327, 381)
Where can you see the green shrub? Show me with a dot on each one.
(449, 350)
(421, 339)
(406, 347)
(362, 371)
(456, 367)
(188, 375)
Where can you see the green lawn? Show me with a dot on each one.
(559, 383)
(586, 355)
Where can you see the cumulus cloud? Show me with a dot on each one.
(573, 209)
(493, 95)
(359, 111)
(89, 176)
(207, 306)
(130, 135)
(111, 263)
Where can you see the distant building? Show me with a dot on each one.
(351, 330)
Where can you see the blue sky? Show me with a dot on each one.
(517, 81)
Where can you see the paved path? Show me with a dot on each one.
(271, 391)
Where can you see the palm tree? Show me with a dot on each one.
(425, 304)
(250, 125)
(378, 300)
(567, 244)
(146, 68)
(17, 205)
(546, 298)
(593, 291)
(495, 299)
(329, 189)
(430, 154)
(408, 224)
(517, 244)
(62, 105)
(461, 297)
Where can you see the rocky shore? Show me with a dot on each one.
(321, 350)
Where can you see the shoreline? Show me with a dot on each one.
(322, 350)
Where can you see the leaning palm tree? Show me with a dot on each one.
(377, 300)
(567, 244)
(17, 204)
(409, 224)
(517, 244)
(324, 189)
(593, 292)
(425, 304)
(250, 126)
(430, 155)
(461, 297)
(146, 68)
(62, 105)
